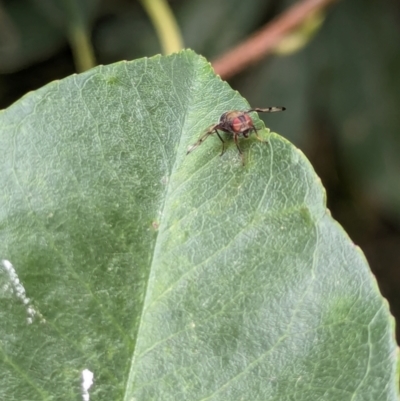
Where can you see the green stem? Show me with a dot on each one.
(79, 37)
(165, 25)
(82, 49)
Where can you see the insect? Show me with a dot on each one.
(236, 123)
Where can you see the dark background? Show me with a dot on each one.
(341, 90)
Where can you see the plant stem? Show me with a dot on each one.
(79, 38)
(82, 49)
(267, 38)
(165, 25)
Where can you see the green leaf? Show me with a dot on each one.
(174, 277)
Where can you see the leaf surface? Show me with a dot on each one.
(174, 277)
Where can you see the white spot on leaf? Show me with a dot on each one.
(87, 381)
(15, 287)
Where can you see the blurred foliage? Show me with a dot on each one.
(343, 87)
(33, 30)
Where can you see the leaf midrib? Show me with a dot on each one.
(157, 242)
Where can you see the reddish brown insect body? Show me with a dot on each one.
(236, 123)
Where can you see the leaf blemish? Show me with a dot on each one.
(19, 290)
(87, 382)
(164, 180)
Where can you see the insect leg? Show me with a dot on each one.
(209, 132)
(235, 138)
(258, 136)
(223, 143)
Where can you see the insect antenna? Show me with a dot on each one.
(267, 110)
